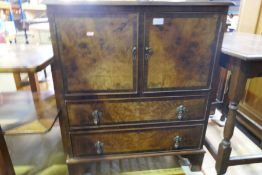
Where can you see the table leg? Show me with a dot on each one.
(18, 81)
(6, 166)
(34, 83)
(236, 91)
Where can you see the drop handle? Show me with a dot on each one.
(177, 140)
(181, 111)
(148, 52)
(97, 116)
(99, 146)
(134, 53)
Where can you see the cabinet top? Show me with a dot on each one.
(141, 2)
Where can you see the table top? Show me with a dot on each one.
(244, 46)
(26, 112)
(138, 2)
(24, 58)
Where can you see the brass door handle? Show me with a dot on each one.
(97, 116)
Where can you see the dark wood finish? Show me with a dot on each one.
(138, 140)
(132, 111)
(6, 166)
(236, 90)
(241, 160)
(181, 50)
(111, 82)
(241, 70)
(97, 51)
(25, 59)
(243, 57)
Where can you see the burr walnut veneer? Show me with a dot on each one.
(134, 78)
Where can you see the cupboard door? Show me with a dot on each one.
(98, 52)
(179, 50)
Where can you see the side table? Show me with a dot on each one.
(242, 54)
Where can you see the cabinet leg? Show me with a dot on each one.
(196, 161)
(81, 169)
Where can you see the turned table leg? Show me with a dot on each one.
(236, 91)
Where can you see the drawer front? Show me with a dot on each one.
(98, 52)
(139, 140)
(131, 111)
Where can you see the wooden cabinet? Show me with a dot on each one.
(134, 78)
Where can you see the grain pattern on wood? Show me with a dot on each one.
(96, 51)
(182, 50)
(140, 140)
(131, 111)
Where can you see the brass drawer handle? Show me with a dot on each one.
(97, 116)
(181, 110)
(177, 141)
(134, 53)
(99, 147)
(148, 52)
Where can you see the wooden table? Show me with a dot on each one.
(242, 55)
(25, 59)
(24, 112)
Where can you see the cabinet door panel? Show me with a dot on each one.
(182, 47)
(97, 52)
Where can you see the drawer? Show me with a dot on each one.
(136, 140)
(126, 111)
